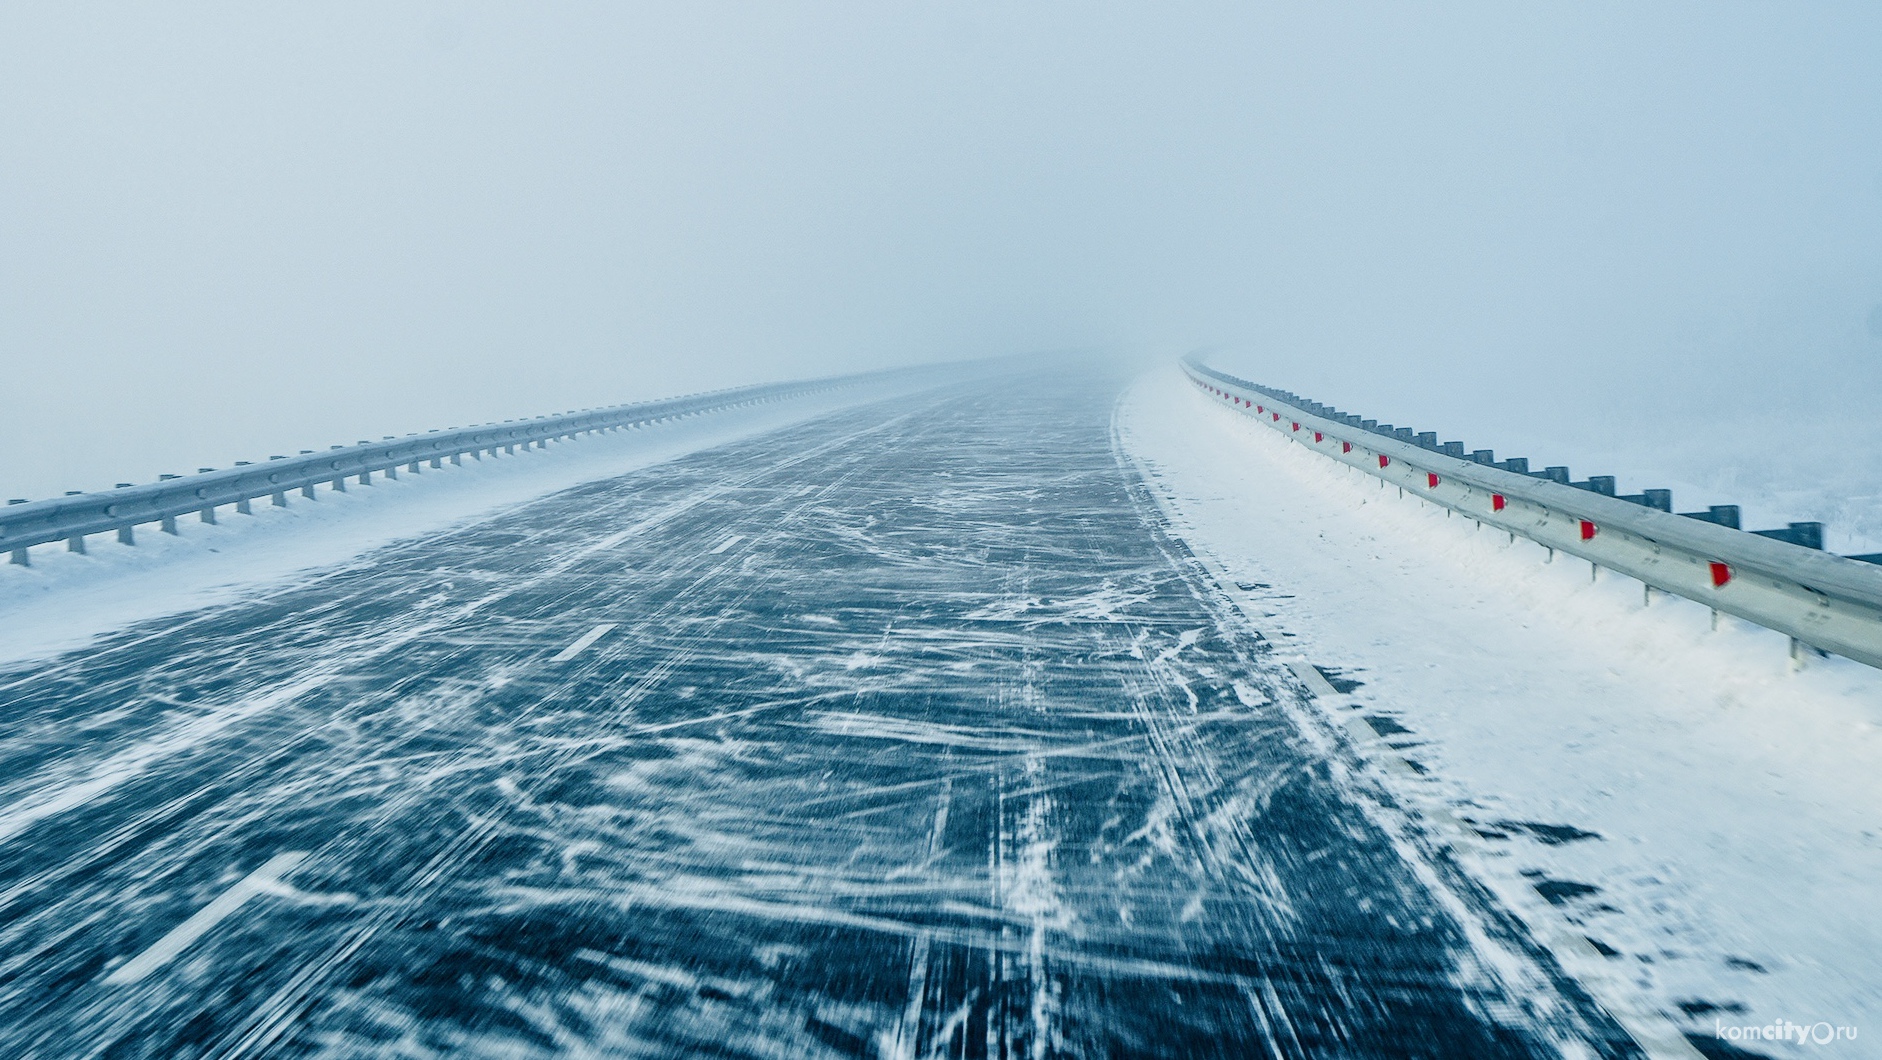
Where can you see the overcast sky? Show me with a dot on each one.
(231, 230)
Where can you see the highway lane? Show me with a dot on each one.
(907, 732)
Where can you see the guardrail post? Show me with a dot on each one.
(75, 543)
(168, 525)
(281, 498)
(436, 463)
(125, 537)
(1808, 535)
(1721, 514)
(413, 467)
(209, 515)
(392, 472)
(241, 507)
(20, 558)
(457, 459)
(1660, 500)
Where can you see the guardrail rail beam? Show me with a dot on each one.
(1780, 579)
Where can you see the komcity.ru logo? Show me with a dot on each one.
(1820, 1033)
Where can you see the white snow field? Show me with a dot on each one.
(64, 599)
(1734, 806)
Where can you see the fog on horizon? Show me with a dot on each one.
(228, 231)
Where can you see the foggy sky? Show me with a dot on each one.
(234, 230)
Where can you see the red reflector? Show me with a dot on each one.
(1276, 415)
(1496, 502)
(1297, 426)
(1318, 437)
(1258, 408)
(1346, 447)
(1431, 479)
(1587, 530)
(1721, 573)
(1384, 460)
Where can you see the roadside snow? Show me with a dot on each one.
(65, 599)
(1735, 808)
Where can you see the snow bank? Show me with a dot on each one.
(1706, 818)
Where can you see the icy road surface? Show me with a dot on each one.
(907, 732)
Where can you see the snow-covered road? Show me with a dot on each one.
(907, 732)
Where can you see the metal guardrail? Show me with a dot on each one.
(1779, 579)
(73, 517)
